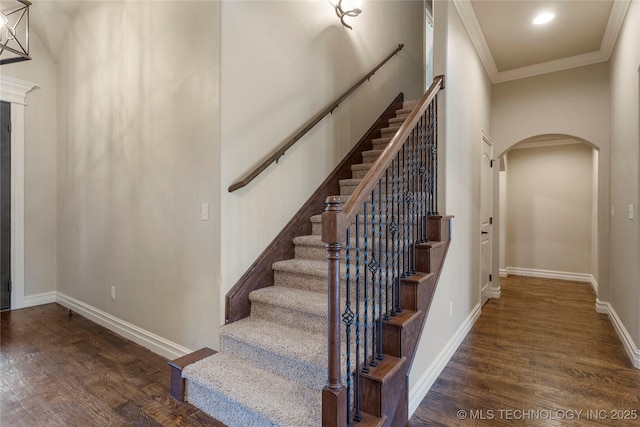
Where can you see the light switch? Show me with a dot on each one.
(613, 211)
(205, 211)
(631, 211)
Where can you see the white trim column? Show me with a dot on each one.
(15, 91)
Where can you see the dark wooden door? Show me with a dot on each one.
(5, 205)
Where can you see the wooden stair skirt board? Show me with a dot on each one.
(273, 329)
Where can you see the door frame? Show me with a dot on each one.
(485, 139)
(15, 92)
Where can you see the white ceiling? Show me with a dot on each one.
(511, 47)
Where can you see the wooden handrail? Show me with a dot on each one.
(308, 126)
(357, 199)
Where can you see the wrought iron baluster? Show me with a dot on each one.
(379, 354)
(365, 365)
(405, 213)
(388, 221)
(413, 223)
(373, 268)
(357, 416)
(393, 228)
(398, 235)
(347, 318)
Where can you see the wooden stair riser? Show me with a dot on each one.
(383, 385)
(429, 256)
(401, 332)
(439, 228)
(416, 291)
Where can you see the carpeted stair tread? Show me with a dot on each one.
(293, 299)
(404, 110)
(398, 119)
(302, 266)
(296, 354)
(240, 394)
(361, 166)
(293, 307)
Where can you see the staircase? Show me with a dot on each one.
(272, 365)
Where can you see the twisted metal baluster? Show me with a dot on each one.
(398, 234)
(386, 245)
(393, 228)
(357, 416)
(347, 318)
(365, 366)
(379, 354)
(373, 268)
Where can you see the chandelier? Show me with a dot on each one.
(14, 31)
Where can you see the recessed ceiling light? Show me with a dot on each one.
(543, 18)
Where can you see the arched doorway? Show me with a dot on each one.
(548, 204)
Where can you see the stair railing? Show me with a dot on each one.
(308, 126)
(377, 229)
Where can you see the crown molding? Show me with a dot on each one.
(15, 90)
(471, 24)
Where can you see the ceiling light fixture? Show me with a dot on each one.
(543, 18)
(340, 11)
(14, 31)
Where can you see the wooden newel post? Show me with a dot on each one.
(334, 394)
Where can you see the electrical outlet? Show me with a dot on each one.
(613, 211)
(113, 292)
(204, 211)
(631, 211)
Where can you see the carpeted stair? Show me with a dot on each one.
(272, 366)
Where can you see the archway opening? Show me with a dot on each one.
(548, 204)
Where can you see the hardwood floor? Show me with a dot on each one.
(536, 357)
(58, 370)
(539, 350)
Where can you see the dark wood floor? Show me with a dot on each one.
(58, 370)
(541, 347)
(536, 352)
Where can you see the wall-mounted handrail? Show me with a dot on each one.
(308, 126)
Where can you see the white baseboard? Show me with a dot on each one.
(503, 272)
(496, 292)
(552, 274)
(421, 388)
(147, 339)
(630, 347)
(39, 299)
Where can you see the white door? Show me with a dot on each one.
(486, 219)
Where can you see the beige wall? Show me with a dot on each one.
(624, 290)
(549, 208)
(466, 107)
(40, 168)
(138, 154)
(282, 62)
(573, 103)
